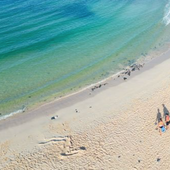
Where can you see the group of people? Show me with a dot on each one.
(163, 127)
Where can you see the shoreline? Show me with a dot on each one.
(117, 77)
(144, 59)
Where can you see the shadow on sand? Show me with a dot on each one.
(165, 110)
(158, 117)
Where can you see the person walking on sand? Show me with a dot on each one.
(161, 126)
(167, 120)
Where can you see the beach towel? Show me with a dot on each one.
(163, 129)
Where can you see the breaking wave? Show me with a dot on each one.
(166, 18)
(13, 113)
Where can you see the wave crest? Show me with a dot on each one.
(13, 113)
(166, 18)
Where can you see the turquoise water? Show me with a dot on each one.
(51, 48)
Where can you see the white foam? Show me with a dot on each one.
(166, 18)
(13, 113)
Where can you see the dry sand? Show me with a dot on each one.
(112, 127)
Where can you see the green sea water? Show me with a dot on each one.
(52, 48)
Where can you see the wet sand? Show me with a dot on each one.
(108, 127)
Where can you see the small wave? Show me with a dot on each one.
(166, 18)
(13, 113)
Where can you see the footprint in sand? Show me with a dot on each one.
(68, 148)
(74, 151)
(55, 139)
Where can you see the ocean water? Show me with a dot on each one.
(52, 48)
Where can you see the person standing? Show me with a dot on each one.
(167, 120)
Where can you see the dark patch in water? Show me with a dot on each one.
(77, 10)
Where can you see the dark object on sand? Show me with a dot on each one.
(128, 72)
(133, 69)
(136, 66)
(158, 159)
(96, 87)
(54, 117)
(63, 154)
(124, 78)
(83, 148)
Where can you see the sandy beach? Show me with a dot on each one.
(111, 127)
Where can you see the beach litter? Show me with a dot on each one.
(54, 117)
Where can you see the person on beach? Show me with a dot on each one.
(161, 126)
(167, 120)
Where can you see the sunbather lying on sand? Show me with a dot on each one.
(161, 126)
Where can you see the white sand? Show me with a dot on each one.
(114, 127)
